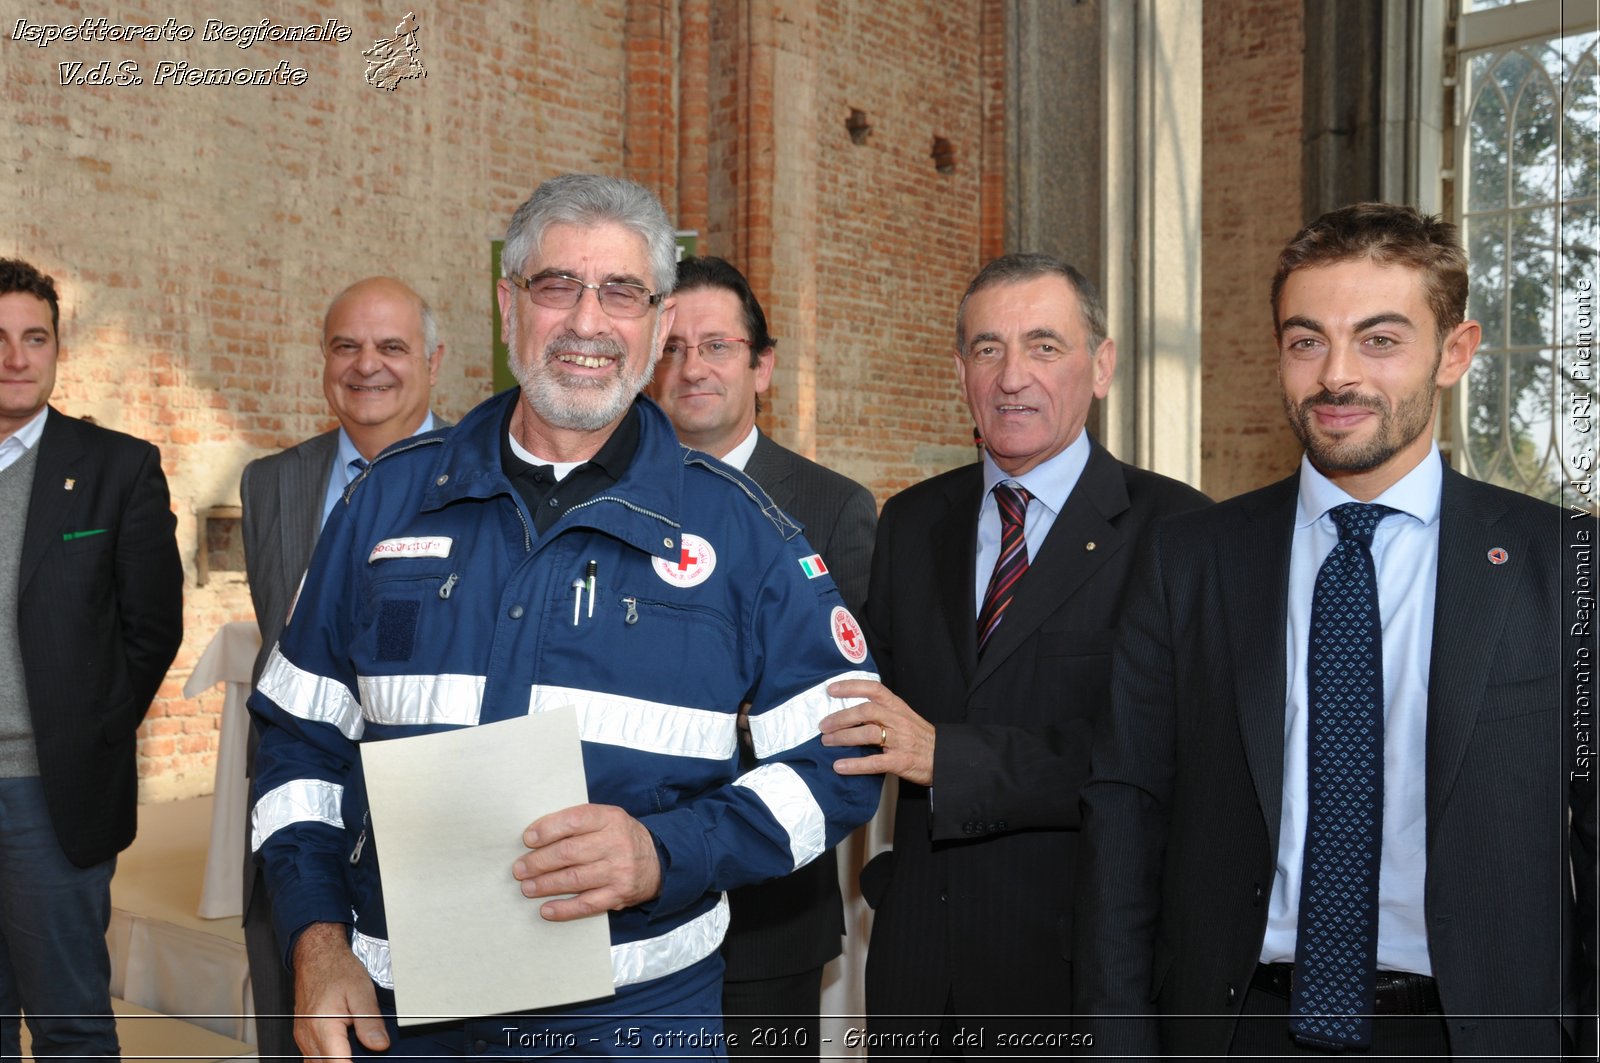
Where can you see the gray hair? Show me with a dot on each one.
(1026, 266)
(430, 327)
(588, 200)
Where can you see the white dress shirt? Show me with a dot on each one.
(22, 440)
(1405, 555)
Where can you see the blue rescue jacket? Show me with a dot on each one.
(432, 603)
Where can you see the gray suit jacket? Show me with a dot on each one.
(282, 499)
(792, 924)
(1181, 816)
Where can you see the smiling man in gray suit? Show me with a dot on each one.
(717, 362)
(381, 356)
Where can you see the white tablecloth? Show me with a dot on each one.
(228, 659)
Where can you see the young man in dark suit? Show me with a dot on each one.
(381, 355)
(91, 615)
(717, 362)
(1335, 804)
(994, 596)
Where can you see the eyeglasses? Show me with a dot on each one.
(717, 350)
(559, 291)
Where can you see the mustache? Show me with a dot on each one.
(1343, 398)
(572, 343)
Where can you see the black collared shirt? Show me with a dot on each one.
(546, 497)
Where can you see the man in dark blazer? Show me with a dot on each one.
(991, 742)
(381, 356)
(91, 615)
(1204, 894)
(717, 362)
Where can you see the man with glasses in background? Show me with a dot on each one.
(698, 601)
(717, 363)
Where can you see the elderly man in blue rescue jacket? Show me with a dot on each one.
(440, 596)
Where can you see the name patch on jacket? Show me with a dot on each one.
(412, 546)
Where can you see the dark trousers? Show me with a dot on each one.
(1263, 1033)
(54, 966)
(774, 1016)
(271, 983)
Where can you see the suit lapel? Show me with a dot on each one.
(301, 492)
(954, 542)
(1254, 566)
(60, 451)
(1468, 613)
(767, 468)
(1065, 559)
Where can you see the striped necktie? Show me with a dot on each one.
(1010, 565)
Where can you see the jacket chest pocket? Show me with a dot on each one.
(696, 644)
(394, 612)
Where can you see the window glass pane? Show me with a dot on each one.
(1485, 414)
(1526, 410)
(1489, 151)
(1486, 300)
(1579, 144)
(1533, 139)
(1533, 274)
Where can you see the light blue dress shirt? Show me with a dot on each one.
(1049, 482)
(348, 463)
(1405, 554)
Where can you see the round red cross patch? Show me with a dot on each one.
(694, 564)
(847, 635)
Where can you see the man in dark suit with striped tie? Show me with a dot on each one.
(716, 364)
(994, 594)
(381, 356)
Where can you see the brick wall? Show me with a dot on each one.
(1250, 206)
(198, 231)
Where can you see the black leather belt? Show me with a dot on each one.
(1398, 993)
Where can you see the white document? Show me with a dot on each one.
(448, 812)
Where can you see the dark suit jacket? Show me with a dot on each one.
(792, 924)
(973, 905)
(1182, 816)
(100, 617)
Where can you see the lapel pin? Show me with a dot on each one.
(69, 484)
(1088, 546)
(1498, 556)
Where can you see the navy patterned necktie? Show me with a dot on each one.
(1012, 562)
(1336, 953)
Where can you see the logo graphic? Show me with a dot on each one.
(1498, 556)
(847, 635)
(393, 59)
(696, 561)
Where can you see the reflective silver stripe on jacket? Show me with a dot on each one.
(296, 801)
(636, 961)
(791, 803)
(680, 947)
(421, 700)
(310, 696)
(374, 956)
(647, 726)
(794, 722)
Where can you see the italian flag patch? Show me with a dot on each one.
(813, 566)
